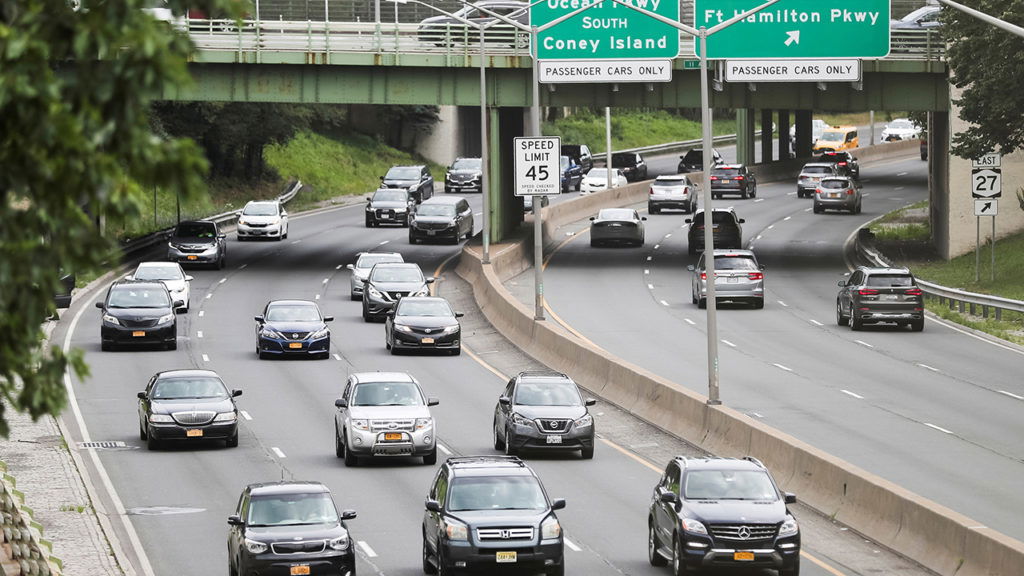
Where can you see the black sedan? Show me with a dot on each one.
(389, 206)
(617, 226)
(137, 312)
(423, 323)
(292, 328)
(189, 405)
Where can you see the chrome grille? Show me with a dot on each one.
(295, 335)
(553, 424)
(254, 225)
(505, 533)
(307, 547)
(396, 296)
(193, 249)
(746, 533)
(433, 225)
(193, 418)
(392, 425)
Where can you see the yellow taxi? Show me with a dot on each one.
(837, 138)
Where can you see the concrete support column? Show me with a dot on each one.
(745, 136)
(767, 143)
(943, 215)
(803, 133)
(783, 134)
(506, 207)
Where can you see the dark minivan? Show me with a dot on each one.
(138, 312)
(441, 218)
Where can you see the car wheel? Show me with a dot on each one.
(653, 209)
(693, 297)
(366, 314)
(855, 323)
(793, 570)
(652, 547)
(394, 351)
(172, 345)
(556, 571)
(499, 444)
(368, 223)
(428, 567)
(106, 346)
(350, 458)
(817, 209)
(142, 432)
(412, 239)
(442, 565)
(857, 210)
(509, 450)
(917, 325)
(702, 303)
(587, 453)
(759, 304)
(353, 296)
(744, 195)
(841, 320)
(232, 442)
(431, 459)
(339, 448)
(262, 355)
(457, 351)
(152, 443)
(678, 562)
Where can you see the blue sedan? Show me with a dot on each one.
(292, 328)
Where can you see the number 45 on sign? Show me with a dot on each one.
(537, 166)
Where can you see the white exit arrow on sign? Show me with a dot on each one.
(793, 37)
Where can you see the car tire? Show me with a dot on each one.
(142, 432)
(693, 297)
(499, 444)
(793, 570)
(106, 346)
(457, 351)
(172, 345)
(817, 209)
(394, 351)
(841, 320)
(556, 571)
(428, 568)
(442, 565)
(351, 460)
(232, 442)
(702, 303)
(744, 195)
(759, 304)
(431, 459)
(368, 223)
(262, 355)
(652, 546)
(339, 448)
(917, 325)
(678, 561)
(855, 323)
(509, 450)
(355, 297)
(587, 453)
(366, 315)
(857, 209)
(653, 209)
(412, 239)
(152, 443)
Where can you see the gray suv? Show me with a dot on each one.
(416, 179)
(543, 410)
(387, 283)
(873, 295)
(738, 278)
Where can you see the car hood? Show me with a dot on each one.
(485, 518)
(388, 204)
(175, 285)
(434, 219)
(750, 511)
(270, 534)
(393, 183)
(426, 321)
(534, 412)
(464, 172)
(169, 406)
(295, 326)
(137, 314)
(389, 412)
(260, 219)
(398, 286)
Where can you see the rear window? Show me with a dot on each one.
(835, 184)
(734, 262)
(726, 172)
(890, 280)
(817, 170)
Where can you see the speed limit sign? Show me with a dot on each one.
(537, 166)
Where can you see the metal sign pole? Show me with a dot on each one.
(977, 249)
(538, 201)
(993, 248)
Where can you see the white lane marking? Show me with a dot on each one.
(222, 280)
(650, 286)
(337, 357)
(848, 393)
(786, 218)
(296, 242)
(863, 343)
(316, 297)
(690, 322)
(757, 414)
(756, 200)
(656, 246)
(369, 551)
(927, 367)
(780, 366)
(444, 449)
(663, 303)
(649, 258)
(199, 334)
(669, 235)
(572, 545)
(898, 188)
(939, 428)
(790, 193)
(338, 267)
(477, 214)
(727, 343)
(384, 242)
(1011, 395)
(758, 237)
(242, 267)
(208, 296)
(202, 313)
(206, 358)
(646, 271)
(326, 280)
(783, 304)
(901, 173)
(277, 451)
(769, 227)
(245, 414)
(807, 210)
(815, 322)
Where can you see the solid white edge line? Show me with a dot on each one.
(939, 428)
(366, 549)
(572, 545)
(815, 322)
(444, 449)
(857, 396)
(337, 357)
(108, 485)
(863, 343)
(245, 414)
(1011, 395)
(278, 451)
(783, 304)
(782, 367)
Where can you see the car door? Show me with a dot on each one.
(432, 520)
(664, 512)
(341, 416)
(145, 403)
(844, 294)
(502, 411)
(695, 277)
(426, 184)
(235, 531)
(467, 217)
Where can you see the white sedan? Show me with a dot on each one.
(597, 180)
(171, 274)
(900, 129)
(266, 219)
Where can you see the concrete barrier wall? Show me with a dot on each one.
(940, 539)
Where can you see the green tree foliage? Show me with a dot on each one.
(986, 62)
(75, 144)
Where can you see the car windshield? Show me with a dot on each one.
(902, 124)
(496, 493)
(296, 313)
(390, 196)
(728, 485)
(833, 136)
(386, 394)
(182, 388)
(726, 172)
(196, 230)
(408, 307)
(890, 280)
(623, 160)
(835, 184)
(367, 261)
(733, 262)
(597, 173)
(159, 272)
(817, 170)
(292, 509)
(403, 173)
(137, 297)
(260, 209)
(563, 161)
(616, 214)
(548, 394)
(466, 164)
(396, 274)
(435, 210)
(694, 157)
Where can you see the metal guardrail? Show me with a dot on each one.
(681, 145)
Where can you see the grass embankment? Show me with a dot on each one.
(630, 129)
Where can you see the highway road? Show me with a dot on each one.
(169, 507)
(939, 412)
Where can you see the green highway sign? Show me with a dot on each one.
(796, 29)
(606, 31)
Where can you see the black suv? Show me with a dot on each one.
(198, 242)
(464, 175)
(733, 179)
(580, 154)
(442, 218)
(488, 513)
(874, 295)
(543, 410)
(389, 206)
(726, 229)
(289, 528)
(632, 165)
(693, 161)
(721, 512)
(845, 163)
(416, 179)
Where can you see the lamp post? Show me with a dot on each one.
(705, 118)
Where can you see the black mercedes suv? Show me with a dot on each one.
(490, 514)
(289, 528)
(721, 512)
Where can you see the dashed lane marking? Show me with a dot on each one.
(245, 414)
(663, 303)
(781, 367)
(222, 280)
(690, 322)
(927, 367)
(863, 343)
(206, 358)
(572, 545)
(848, 393)
(727, 343)
(369, 551)
(202, 313)
(783, 304)
(815, 322)
(199, 334)
(444, 449)
(278, 451)
(337, 357)
(650, 286)
(939, 428)
(1011, 395)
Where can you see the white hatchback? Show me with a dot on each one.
(172, 276)
(597, 180)
(266, 219)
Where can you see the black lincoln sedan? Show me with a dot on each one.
(423, 323)
(289, 528)
(292, 328)
(187, 405)
(138, 312)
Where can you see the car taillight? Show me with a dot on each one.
(867, 292)
(841, 163)
(703, 275)
(714, 177)
(739, 178)
(756, 276)
(913, 292)
(849, 191)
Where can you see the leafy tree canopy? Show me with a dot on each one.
(76, 79)
(986, 62)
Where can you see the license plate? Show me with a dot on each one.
(385, 216)
(503, 557)
(554, 440)
(392, 436)
(890, 296)
(431, 232)
(427, 341)
(138, 333)
(295, 345)
(743, 556)
(191, 257)
(732, 279)
(300, 570)
(833, 195)
(194, 433)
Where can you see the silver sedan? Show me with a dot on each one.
(738, 278)
(617, 226)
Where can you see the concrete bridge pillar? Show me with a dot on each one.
(506, 208)
(767, 150)
(783, 134)
(745, 136)
(803, 133)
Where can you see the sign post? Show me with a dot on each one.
(986, 188)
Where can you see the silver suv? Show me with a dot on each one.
(810, 175)
(384, 414)
(672, 191)
(738, 278)
(543, 410)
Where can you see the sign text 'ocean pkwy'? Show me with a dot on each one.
(606, 30)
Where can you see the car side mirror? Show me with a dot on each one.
(368, 199)
(381, 178)
(99, 305)
(592, 218)
(790, 498)
(432, 506)
(129, 277)
(669, 497)
(430, 280)
(390, 313)
(328, 318)
(350, 266)
(589, 402)
(459, 314)
(742, 221)
(841, 283)
(348, 514)
(189, 278)
(688, 220)
(341, 403)
(557, 503)
(433, 401)
(644, 218)
(505, 401)
(690, 267)
(222, 236)
(179, 303)
(258, 319)
(235, 520)
(141, 395)
(235, 392)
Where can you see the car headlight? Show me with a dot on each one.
(172, 245)
(243, 222)
(339, 543)
(520, 420)
(693, 526)
(413, 187)
(399, 210)
(403, 328)
(550, 528)
(454, 529)
(160, 418)
(321, 333)
(165, 319)
(110, 319)
(360, 424)
(424, 423)
(369, 208)
(225, 417)
(271, 333)
(421, 292)
(255, 547)
(789, 528)
(585, 421)
(450, 329)
(374, 292)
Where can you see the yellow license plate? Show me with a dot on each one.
(300, 570)
(503, 557)
(194, 433)
(743, 556)
(427, 341)
(295, 344)
(392, 436)
(138, 333)
(191, 257)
